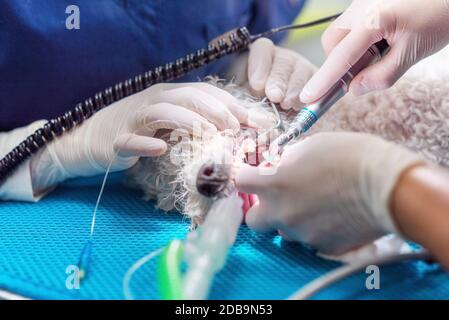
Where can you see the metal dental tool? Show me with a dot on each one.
(311, 113)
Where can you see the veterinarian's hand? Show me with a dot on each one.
(128, 129)
(331, 190)
(414, 30)
(277, 72)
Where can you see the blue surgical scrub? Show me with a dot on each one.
(45, 68)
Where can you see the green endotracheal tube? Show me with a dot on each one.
(169, 271)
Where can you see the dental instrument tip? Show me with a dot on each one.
(277, 147)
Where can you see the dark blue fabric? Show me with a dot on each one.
(46, 69)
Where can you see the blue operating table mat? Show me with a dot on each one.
(40, 240)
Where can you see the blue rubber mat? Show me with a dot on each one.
(38, 242)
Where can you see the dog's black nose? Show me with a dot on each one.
(212, 179)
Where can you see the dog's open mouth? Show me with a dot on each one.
(215, 179)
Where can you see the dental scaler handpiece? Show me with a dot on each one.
(311, 113)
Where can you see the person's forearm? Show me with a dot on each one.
(420, 207)
(19, 184)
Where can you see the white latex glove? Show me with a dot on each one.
(414, 30)
(126, 130)
(331, 190)
(278, 73)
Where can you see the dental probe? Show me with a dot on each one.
(311, 113)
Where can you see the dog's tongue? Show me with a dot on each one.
(248, 201)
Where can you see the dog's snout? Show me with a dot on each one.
(212, 179)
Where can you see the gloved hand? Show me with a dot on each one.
(331, 190)
(414, 30)
(126, 130)
(278, 73)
